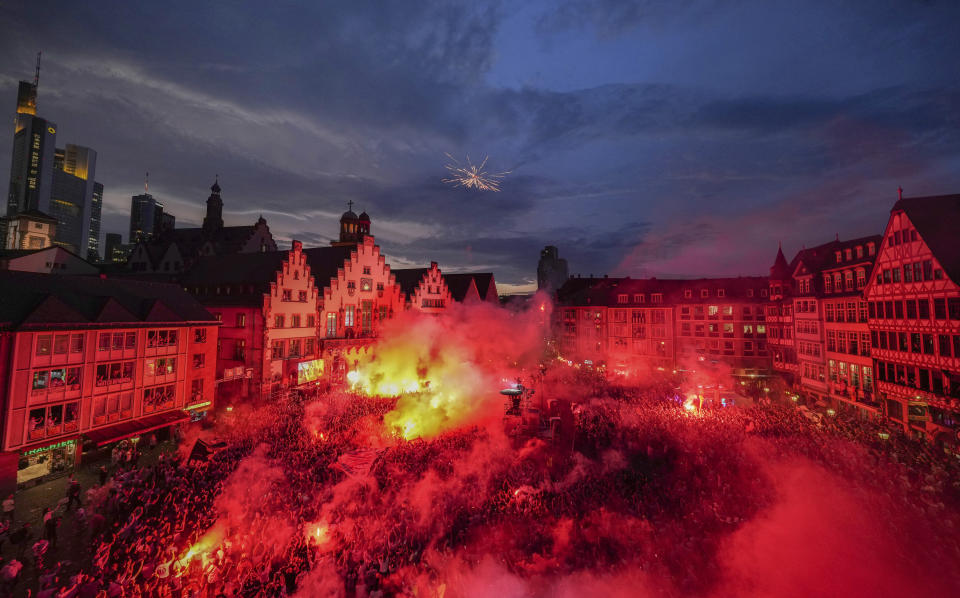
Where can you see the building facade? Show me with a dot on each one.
(424, 288)
(913, 300)
(89, 361)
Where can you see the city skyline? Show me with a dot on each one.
(641, 140)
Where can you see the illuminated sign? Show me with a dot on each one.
(50, 447)
(308, 371)
(197, 406)
(51, 130)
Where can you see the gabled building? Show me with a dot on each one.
(176, 250)
(424, 288)
(87, 361)
(913, 299)
(51, 260)
(267, 303)
(293, 318)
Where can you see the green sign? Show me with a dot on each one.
(60, 444)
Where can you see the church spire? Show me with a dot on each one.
(213, 221)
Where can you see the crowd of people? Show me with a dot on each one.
(316, 497)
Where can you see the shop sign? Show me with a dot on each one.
(57, 445)
(198, 405)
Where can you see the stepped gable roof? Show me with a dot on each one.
(32, 300)
(935, 218)
(409, 278)
(483, 281)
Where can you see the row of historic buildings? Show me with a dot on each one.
(90, 357)
(868, 325)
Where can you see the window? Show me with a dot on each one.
(366, 316)
(241, 320)
(907, 273)
(366, 270)
(383, 312)
(311, 321)
(923, 309)
(114, 373)
(638, 298)
(43, 344)
(196, 390)
(940, 308)
(219, 317)
(276, 349)
(838, 256)
(161, 338)
(61, 343)
(953, 308)
(199, 335)
(721, 292)
(158, 397)
(944, 341)
(287, 295)
(848, 253)
(240, 350)
(76, 343)
(623, 298)
(656, 298)
(295, 321)
(199, 359)
(827, 283)
(278, 321)
(302, 296)
(331, 325)
(861, 278)
(163, 366)
(308, 346)
(687, 294)
(293, 348)
(704, 293)
(348, 316)
(911, 309)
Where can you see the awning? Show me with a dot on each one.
(143, 425)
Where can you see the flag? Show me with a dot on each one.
(357, 463)
(200, 451)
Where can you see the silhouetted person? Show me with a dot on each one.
(73, 493)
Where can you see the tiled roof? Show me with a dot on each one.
(325, 261)
(936, 219)
(42, 301)
(606, 291)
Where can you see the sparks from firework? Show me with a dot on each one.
(473, 176)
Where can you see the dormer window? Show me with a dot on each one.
(721, 292)
(839, 256)
(871, 249)
(849, 254)
(687, 294)
(638, 298)
(624, 298)
(859, 251)
(704, 293)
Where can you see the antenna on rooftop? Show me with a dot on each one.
(146, 182)
(36, 76)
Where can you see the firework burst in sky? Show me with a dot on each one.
(473, 176)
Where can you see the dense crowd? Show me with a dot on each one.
(315, 497)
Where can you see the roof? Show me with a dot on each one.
(36, 215)
(605, 291)
(10, 254)
(459, 285)
(935, 218)
(31, 301)
(258, 270)
(780, 269)
(236, 268)
(822, 258)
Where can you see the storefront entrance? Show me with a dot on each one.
(44, 463)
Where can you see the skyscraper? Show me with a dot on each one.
(96, 206)
(146, 218)
(71, 197)
(31, 168)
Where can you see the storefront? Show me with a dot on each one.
(39, 464)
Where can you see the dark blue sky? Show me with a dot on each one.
(643, 137)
